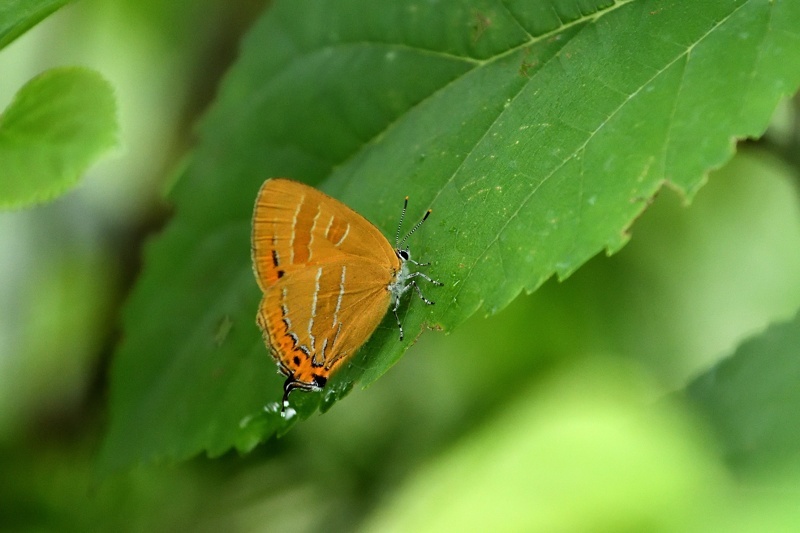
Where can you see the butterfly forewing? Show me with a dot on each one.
(295, 226)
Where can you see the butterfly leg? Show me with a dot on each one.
(397, 297)
(419, 292)
(397, 317)
(425, 277)
(418, 264)
(415, 263)
(405, 288)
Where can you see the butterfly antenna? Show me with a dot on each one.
(400, 225)
(424, 218)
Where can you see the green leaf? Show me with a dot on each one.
(536, 132)
(752, 399)
(18, 16)
(56, 126)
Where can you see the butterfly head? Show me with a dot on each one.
(404, 279)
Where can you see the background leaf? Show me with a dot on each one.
(751, 399)
(18, 16)
(55, 127)
(536, 133)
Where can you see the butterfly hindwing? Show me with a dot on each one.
(320, 315)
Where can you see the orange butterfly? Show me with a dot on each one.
(328, 277)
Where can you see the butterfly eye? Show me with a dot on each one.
(403, 254)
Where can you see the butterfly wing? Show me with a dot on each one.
(317, 317)
(296, 226)
(324, 270)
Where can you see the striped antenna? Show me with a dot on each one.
(400, 224)
(398, 244)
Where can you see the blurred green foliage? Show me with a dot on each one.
(565, 411)
(18, 16)
(58, 123)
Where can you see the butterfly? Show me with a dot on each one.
(328, 276)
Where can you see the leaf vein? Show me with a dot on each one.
(546, 178)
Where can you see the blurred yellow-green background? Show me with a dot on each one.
(554, 415)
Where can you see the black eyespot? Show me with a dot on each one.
(280, 274)
(296, 361)
(320, 381)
